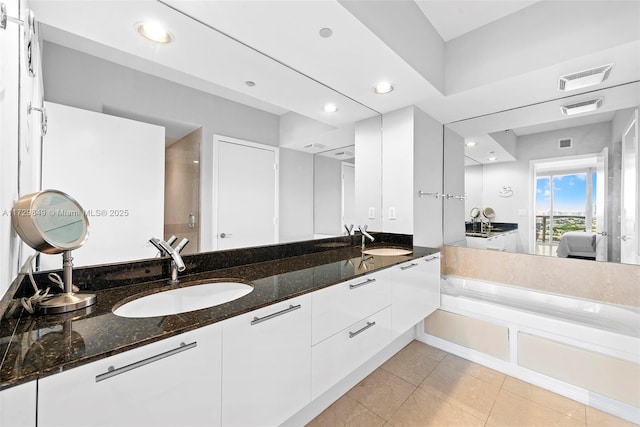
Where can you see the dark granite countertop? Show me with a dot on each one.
(35, 346)
(494, 229)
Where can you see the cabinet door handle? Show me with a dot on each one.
(406, 267)
(257, 320)
(361, 330)
(431, 258)
(357, 285)
(112, 371)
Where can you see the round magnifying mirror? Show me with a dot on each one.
(488, 213)
(475, 213)
(50, 221)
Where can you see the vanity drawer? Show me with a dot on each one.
(335, 358)
(336, 307)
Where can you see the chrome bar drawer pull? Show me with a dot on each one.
(432, 258)
(257, 320)
(357, 285)
(406, 267)
(112, 372)
(361, 330)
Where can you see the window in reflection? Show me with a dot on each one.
(566, 210)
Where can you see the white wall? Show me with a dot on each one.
(368, 176)
(412, 161)
(507, 140)
(427, 174)
(454, 184)
(114, 168)
(9, 70)
(398, 170)
(473, 187)
(296, 195)
(620, 121)
(327, 183)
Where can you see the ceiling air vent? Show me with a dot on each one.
(343, 153)
(585, 78)
(565, 143)
(582, 107)
(315, 145)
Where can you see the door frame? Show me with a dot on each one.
(217, 139)
(342, 166)
(633, 123)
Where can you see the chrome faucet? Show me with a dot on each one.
(176, 260)
(363, 230)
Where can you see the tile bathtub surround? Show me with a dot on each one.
(453, 392)
(598, 281)
(98, 333)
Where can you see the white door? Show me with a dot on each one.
(601, 204)
(245, 193)
(629, 245)
(348, 193)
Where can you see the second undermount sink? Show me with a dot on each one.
(387, 251)
(181, 300)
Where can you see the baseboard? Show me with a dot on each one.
(322, 402)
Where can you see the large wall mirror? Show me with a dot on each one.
(561, 177)
(203, 137)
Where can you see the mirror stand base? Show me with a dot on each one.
(63, 303)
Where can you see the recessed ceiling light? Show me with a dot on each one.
(326, 32)
(154, 31)
(582, 107)
(585, 78)
(250, 83)
(382, 88)
(492, 158)
(330, 108)
(196, 161)
(470, 144)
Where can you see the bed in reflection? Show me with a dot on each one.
(578, 244)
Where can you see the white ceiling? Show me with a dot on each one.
(452, 18)
(498, 54)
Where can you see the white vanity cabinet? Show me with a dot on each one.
(18, 405)
(500, 242)
(267, 364)
(415, 292)
(351, 323)
(339, 306)
(171, 382)
(339, 355)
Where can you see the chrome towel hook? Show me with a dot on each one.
(29, 30)
(43, 111)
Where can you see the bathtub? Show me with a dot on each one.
(594, 314)
(547, 335)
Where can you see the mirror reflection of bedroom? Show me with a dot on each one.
(561, 186)
(569, 206)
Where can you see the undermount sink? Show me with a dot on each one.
(387, 251)
(185, 299)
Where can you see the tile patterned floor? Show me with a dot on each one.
(422, 386)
